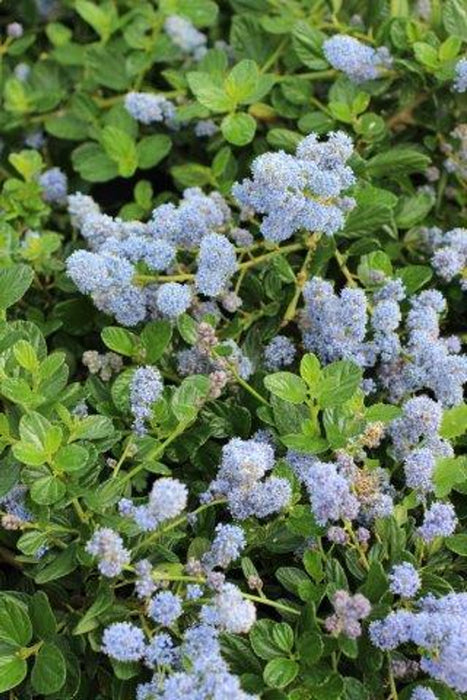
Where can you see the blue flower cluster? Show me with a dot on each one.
(240, 479)
(341, 490)
(107, 546)
(460, 82)
(148, 108)
(440, 521)
(301, 191)
(54, 183)
(146, 388)
(334, 326)
(217, 262)
(348, 611)
(404, 580)
(120, 248)
(420, 421)
(456, 152)
(225, 548)
(165, 608)
(450, 256)
(195, 669)
(422, 693)
(438, 629)
(184, 35)
(280, 352)
(167, 499)
(230, 611)
(123, 641)
(358, 61)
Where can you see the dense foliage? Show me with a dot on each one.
(232, 307)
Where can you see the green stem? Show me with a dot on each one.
(123, 456)
(392, 682)
(79, 511)
(267, 256)
(247, 386)
(341, 260)
(301, 278)
(315, 75)
(271, 603)
(157, 452)
(274, 56)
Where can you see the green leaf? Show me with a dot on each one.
(71, 458)
(62, 564)
(401, 160)
(15, 625)
(13, 671)
(286, 386)
(100, 19)
(47, 490)
(152, 149)
(307, 43)
(42, 617)
(426, 54)
(242, 81)
(310, 647)
(238, 128)
(455, 18)
(14, 282)
(93, 164)
(93, 428)
(310, 444)
(448, 472)
(280, 672)
(283, 635)
(338, 384)
(27, 163)
(121, 147)
(208, 93)
(120, 340)
(188, 397)
(26, 356)
(310, 370)
(103, 601)
(155, 338)
(262, 639)
(454, 423)
(49, 670)
(413, 210)
(414, 277)
(457, 544)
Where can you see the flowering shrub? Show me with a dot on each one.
(232, 306)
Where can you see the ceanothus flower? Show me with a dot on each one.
(418, 468)
(147, 108)
(167, 499)
(123, 641)
(226, 546)
(440, 521)
(280, 352)
(301, 191)
(146, 388)
(54, 183)
(186, 36)
(165, 608)
(358, 61)
(173, 299)
(230, 611)
(460, 82)
(240, 479)
(404, 580)
(217, 263)
(423, 693)
(107, 546)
